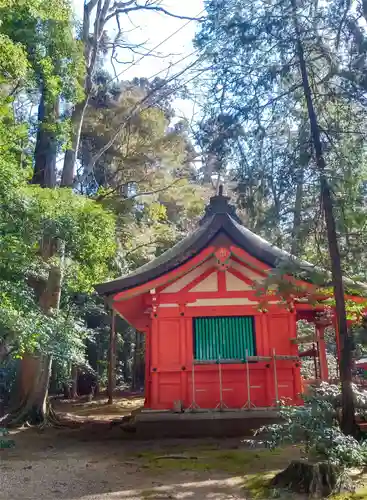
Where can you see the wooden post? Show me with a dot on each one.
(148, 377)
(315, 362)
(74, 382)
(154, 360)
(135, 366)
(154, 350)
(183, 355)
(324, 371)
(112, 360)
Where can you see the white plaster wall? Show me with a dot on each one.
(188, 278)
(234, 284)
(209, 284)
(253, 275)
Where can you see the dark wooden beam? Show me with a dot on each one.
(112, 360)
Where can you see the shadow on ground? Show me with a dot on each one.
(53, 464)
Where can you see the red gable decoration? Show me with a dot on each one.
(223, 256)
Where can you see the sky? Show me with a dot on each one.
(152, 28)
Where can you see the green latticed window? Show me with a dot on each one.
(225, 337)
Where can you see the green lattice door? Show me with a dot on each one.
(224, 337)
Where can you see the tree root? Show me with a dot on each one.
(317, 480)
(32, 417)
(126, 423)
(17, 417)
(51, 419)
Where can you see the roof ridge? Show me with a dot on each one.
(219, 204)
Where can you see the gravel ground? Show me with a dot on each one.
(52, 465)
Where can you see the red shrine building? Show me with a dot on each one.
(212, 340)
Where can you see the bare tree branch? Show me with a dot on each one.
(119, 187)
(144, 245)
(137, 195)
(342, 22)
(101, 11)
(128, 7)
(135, 109)
(154, 191)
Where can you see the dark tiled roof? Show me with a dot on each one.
(221, 219)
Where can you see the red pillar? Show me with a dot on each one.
(263, 349)
(148, 376)
(324, 370)
(154, 386)
(183, 357)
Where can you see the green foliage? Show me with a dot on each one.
(146, 157)
(91, 241)
(85, 228)
(13, 61)
(40, 48)
(251, 49)
(24, 328)
(315, 427)
(29, 214)
(5, 443)
(88, 237)
(145, 177)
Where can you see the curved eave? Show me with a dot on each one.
(192, 245)
(185, 250)
(176, 256)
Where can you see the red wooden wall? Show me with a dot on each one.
(165, 314)
(171, 361)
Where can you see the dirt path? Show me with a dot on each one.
(53, 465)
(97, 462)
(70, 465)
(98, 409)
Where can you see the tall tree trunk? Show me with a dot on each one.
(31, 390)
(91, 49)
(297, 218)
(32, 384)
(77, 117)
(30, 403)
(67, 180)
(303, 162)
(44, 172)
(348, 422)
(210, 166)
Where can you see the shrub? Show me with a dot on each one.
(315, 427)
(5, 443)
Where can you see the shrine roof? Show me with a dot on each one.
(221, 219)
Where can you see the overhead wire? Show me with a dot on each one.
(128, 118)
(172, 65)
(137, 107)
(155, 47)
